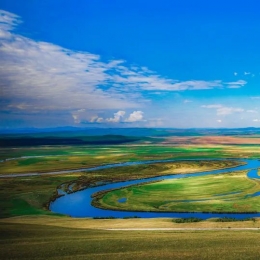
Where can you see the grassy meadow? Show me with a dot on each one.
(229, 192)
(51, 158)
(28, 230)
(31, 194)
(40, 241)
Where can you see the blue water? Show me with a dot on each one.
(78, 204)
(122, 200)
(229, 193)
(253, 195)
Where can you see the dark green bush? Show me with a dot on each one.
(187, 220)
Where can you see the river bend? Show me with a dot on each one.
(78, 204)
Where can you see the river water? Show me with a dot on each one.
(78, 204)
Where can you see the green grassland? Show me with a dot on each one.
(29, 231)
(25, 241)
(30, 195)
(229, 192)
(53, 158)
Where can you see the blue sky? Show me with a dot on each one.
(135, 63)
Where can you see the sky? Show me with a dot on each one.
(138, 63)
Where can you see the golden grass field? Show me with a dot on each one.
(66, 238)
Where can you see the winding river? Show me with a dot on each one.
(78, 204)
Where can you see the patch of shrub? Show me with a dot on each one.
(131, 217)
(226, 219)
(186, 220)
(104, 217)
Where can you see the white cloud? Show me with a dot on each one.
(135, 116)
(93, 119)
(219, 120)
(37, 76)
(223, 110)
(236, 84)
(76, 119)
(48, 77)
(8, 21)
(256, 120)
(187, 101)
(99, 120)
(154, 82)
(117, 117)
(212, 106)
(45, 76)
(96, 119)
(251, 111)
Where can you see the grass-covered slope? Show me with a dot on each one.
(30, 241)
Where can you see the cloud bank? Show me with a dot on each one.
(119, 117)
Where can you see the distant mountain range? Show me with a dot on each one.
(109, 136)
(75, 131)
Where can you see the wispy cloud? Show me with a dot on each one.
(251, 111)
(37, 76)
(44, 76)
(45, 70)
(8, 21)
(154, 83)
(223, 110)
(236, 84)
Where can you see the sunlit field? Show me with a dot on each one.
(38, 241)
(24, 201)
(31, 194)
(230, 192)
(51, 158)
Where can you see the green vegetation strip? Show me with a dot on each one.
(228, 192)
(73, 157)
